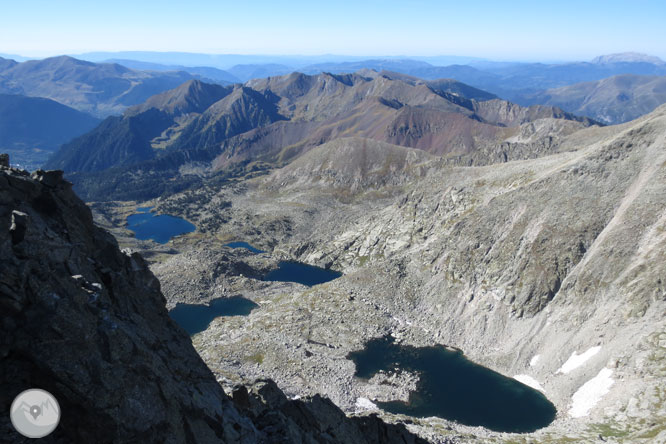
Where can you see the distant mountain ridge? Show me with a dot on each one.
(628, 57)
(205, 72)
(7, 63)
(97, 89)
(227, 61)
(509, 80)
(617, 99)
(256, 71)
(515, 81)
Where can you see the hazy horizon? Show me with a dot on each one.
(95, 57)
(524, 31)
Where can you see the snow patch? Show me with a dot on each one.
(529, 381)
(590, 393)
(365, 404)
(577, 360)
(534, 360)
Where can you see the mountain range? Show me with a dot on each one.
(270, 122)
(512, 81)
(207, 72)
(522, 83)
(616, 99)
(226, 61)
(97, 89)
(488, 75)
(104, 89)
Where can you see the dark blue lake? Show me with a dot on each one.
(244, 245)
(195, 318)
(160, 228)
(454, 388)
(309, 275)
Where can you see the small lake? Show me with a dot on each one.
(195, 318)
(244, 245)
(160, 228)
(309, 275)
(454, 388)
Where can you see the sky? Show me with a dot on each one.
(493, 29)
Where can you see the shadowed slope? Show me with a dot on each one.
(36, 122)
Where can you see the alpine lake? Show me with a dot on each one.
(160, 228)
(195, 318)
(450, 386)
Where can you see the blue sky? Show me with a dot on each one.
(500, 30)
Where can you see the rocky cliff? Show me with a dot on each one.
(87, 322)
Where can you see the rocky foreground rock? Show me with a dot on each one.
(87, 322)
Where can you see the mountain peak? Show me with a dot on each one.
(627, 57)
(64, 60)
(191, 96)
(7, 63)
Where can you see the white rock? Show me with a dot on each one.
(365, 404)
(590, 393)
(577, 360)
(529, 381)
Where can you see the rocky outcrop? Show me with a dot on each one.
(88, 323)
(314, 420)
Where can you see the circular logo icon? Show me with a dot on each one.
(35, 413)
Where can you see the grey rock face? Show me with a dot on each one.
(18, 227)
(49, 178)
(101, 341)
(316, 419)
